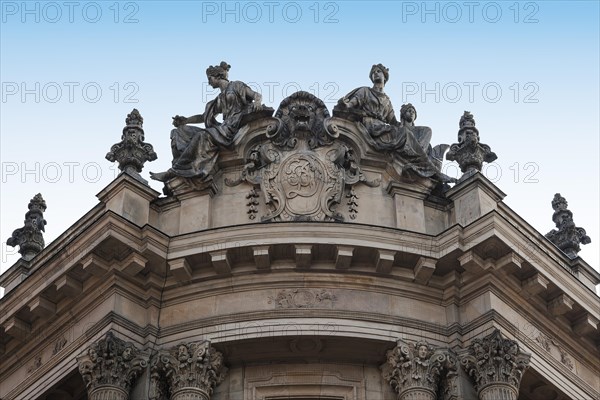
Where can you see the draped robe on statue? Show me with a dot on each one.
(195, 150)
(408, 145)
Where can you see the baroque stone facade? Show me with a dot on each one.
(300, 254)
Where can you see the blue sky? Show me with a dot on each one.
(71, 71)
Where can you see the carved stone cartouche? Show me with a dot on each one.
(189, 371)
(414, 371)
(131, 152)
(29, 238)
(568, 236)
(303, 298)
(302, 171)
(469, 153)
(496, 366)
(110, 367)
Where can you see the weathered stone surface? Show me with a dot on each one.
(196, 150)
(188, 371)
(405, 144)
(302, 117)
(498, 392)
(29, 238)
(132, 153)
(469, 153)
(110, 367)
(414, 370)
(108, 392)
(568, 236)
(301, 172)
(496, 366)
(303, 298)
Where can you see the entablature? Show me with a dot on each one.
(487, 246)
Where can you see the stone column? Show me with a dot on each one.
(496, 365)
(189, 371)
(110, 367)
(414, 370)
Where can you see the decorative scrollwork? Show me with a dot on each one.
(302, 173)
(303, 298)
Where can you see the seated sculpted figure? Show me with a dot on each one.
(408, 115)
(195, 150)
(407, 144)
(370, 105)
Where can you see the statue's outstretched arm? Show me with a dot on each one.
(196, 119)
(179, 120)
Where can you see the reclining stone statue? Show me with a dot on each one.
(407, 144)
(195, 150)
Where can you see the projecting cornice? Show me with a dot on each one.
(488, 245)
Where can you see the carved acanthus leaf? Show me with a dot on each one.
(419, 365)
(113, 362)
(495, 360)
(188, 365)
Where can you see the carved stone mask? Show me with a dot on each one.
(301, 115)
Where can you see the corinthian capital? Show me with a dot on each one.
(496, 365)
(414, 370)
(187, 371)
(110, 367)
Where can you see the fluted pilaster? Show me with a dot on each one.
(190, 394)
(108, 392)
(417, 394)
(498, 392)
